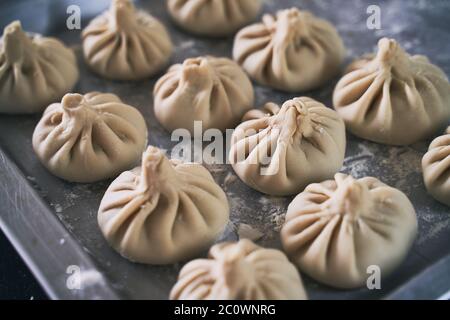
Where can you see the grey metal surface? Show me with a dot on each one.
(53, 224)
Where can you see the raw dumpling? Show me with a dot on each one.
(268, 110)
(336, 229)
(164, 211)
(239, 271)
(283, 150)
(213, 90)
(384, 95)
(34, 71)
(126, 44)
(436, 168)
(292, 51)
(89, 138)
(213, 17)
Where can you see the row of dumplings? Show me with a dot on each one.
(92, 137)
(378, 98)
(166, 211)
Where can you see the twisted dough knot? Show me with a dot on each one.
(123, 14)
(350, 199)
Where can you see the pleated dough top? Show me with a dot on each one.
(126, 44)
(163, 211)
(291, 51)
(279, 151)
(436, 168)
(214, 18)
(213, 90)
(91, 137)
(34, 71)
(239, 271)
(383, 96)
(337, 229)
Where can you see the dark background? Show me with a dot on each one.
(16, 281)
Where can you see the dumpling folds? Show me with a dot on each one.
(34, 71)
(436, 168)
(164, 211)
(239, 271)
(213, 17)
(384, 96)
(336, 229)
(292, 51)
(91, 137)
(213, 90)
(283, 150)
(126, 44)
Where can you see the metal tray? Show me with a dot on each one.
(53, 224)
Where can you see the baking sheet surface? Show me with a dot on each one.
(422, 27)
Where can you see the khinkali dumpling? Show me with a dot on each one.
(126, 44)
(91, 137)
(283, 150)
(164, 211)
(292, 51)
(34, 71)
(213, 90)
(239, 271)
(436, 168)
(392, 97)
(213, 17)
(336, 229)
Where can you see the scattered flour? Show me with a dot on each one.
(90, 278)
(58, 208)
(229, 179)
(185, 45)
(246, 231)
(277, 220)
